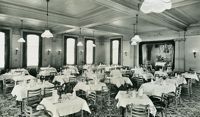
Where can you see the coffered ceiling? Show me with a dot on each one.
(105, 17)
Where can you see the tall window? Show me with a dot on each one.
(70, 50)
(2, 49)
(115, 51)
(32, 50)
(90, 51)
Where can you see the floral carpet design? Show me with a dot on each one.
(189, 107)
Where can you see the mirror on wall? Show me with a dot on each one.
(158, 54)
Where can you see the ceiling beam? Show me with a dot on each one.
(37, 14)
(132, 12)
(184, 3)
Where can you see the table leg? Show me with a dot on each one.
(81, 113)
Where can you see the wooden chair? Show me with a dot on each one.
(8, 85)
(160, 103)
(139, 81)
(82, 94)
(91, 99)
(33, 97)
(175, 96)
(137, 110)
(33, 112)
(188, 86)
(48, 91)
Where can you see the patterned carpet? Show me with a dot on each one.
(189, 107)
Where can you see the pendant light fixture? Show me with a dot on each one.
(136, 38)
(21, 39)
(94, 45)
(156, 6)
(80, 37)
(47, 33)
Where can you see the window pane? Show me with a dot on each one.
(89, 53)
(2, 50)
(70, 51)
(32, 50)
(115, 51)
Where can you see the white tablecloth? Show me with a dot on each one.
(62, 78)
(89, 87)
(23, 78)
(66, 107)
(118, 81)
(124, 99)
(20, 91)
(176, 81)
(146, 76)
(157, 88)
(160, 64)
(24, 71)
(192, 76)
(161, 73)
(45, 71)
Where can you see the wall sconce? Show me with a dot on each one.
(49, 50)
(81, 52)
(16, 50)
(194, 53)
(125, 53)
(59, 51)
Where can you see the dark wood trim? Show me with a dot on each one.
(24, 60)
(7, 48)
(85, 53)
(156, 42)
(65, 49)
(119, 55)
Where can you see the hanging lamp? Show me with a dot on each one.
(94, 45)
(156, 6)
(136, 38)
(21, 39)
(80, 37)
(47, 33)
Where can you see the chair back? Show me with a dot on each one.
(34, 97)
(48, 91)
(81, 94)
(138, 110)
(178, 91)
(92, 98)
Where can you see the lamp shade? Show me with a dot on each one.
(21, 40)
(79, 43)
(136, 38)
(133, 43)
(94, 45)
(156, 6)
(47, 34)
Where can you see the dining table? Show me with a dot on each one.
(20, 91)
(133, 97)
(45, 71)
(63, 78)
(119, 81)
(68, 104)
(158, 87)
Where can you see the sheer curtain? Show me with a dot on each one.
(2, 49)
(89, 52)
(70, 53)
(115, 52)
(32, 50)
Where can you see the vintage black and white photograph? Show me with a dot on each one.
(99, 58)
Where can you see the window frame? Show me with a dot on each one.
(89, 39)
(119, 50)
(24, 54)
(7, 48)
(65, 49)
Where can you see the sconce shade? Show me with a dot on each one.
(79, 44)
(94, 45)
(21, 40)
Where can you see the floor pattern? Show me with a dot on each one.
(189, 107)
